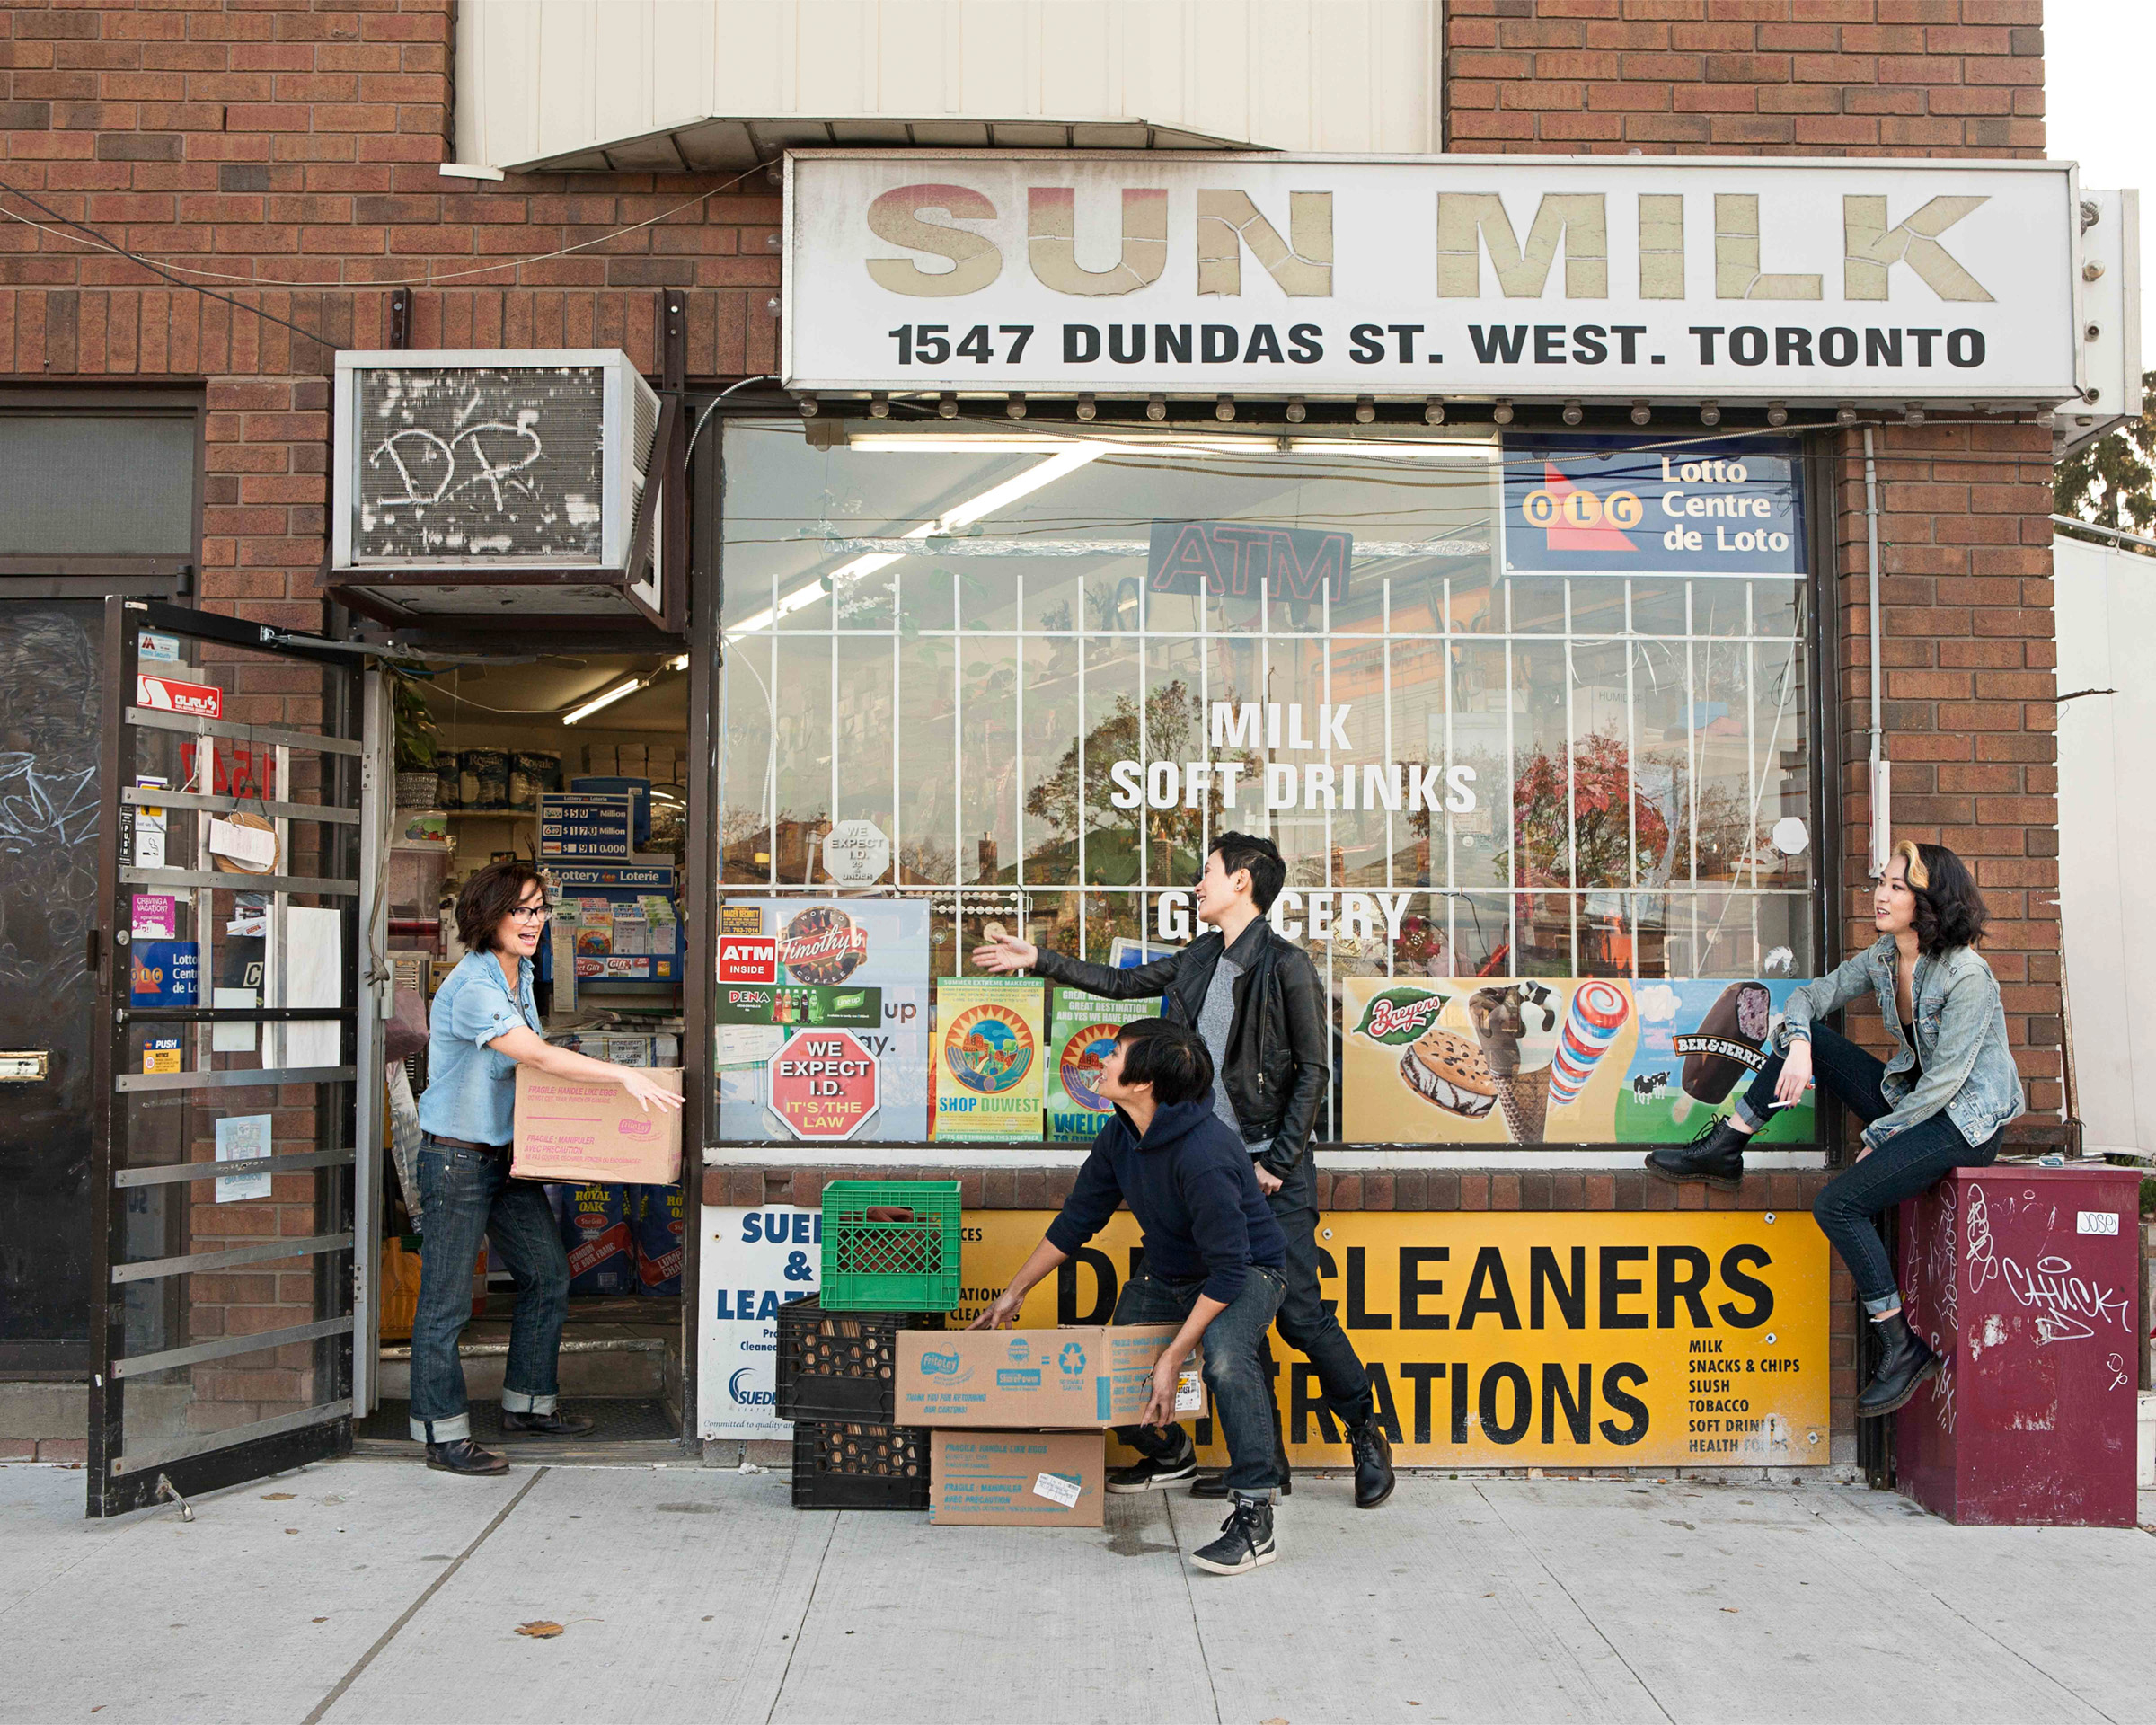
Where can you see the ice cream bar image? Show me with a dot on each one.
(1740, 1015)
(1599, 1009)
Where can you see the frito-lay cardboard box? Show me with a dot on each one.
(568, 1130)
(1082, 1379)
(1017, 1479)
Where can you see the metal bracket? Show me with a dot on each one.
(167, 1492)
(673, 339)
(400, 318)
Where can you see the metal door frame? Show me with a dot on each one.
(119, 1480)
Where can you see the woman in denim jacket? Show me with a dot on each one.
(1944, 1101)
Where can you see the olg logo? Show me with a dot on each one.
(1582, 511)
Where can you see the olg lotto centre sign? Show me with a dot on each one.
(1475, 277)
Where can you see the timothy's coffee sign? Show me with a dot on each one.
(1763, 279)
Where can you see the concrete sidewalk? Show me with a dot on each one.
(377, 1591)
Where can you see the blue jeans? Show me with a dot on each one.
(466, 1196)
(1239, 1386)
(1909, 1162)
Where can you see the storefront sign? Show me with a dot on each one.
(1082, 1033)
(857, 854)
(170, 694)
(1596, 506)
(988, 1059)
(823, 1085)
(1554, 1059)
(1565, 1339)
(860, 965)
(1754, 279)
(164, 973)
(1233, 559)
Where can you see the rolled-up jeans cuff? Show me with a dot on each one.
(1742, 1112)
(441, 1431)
(517, 1402)
(1880, 1305)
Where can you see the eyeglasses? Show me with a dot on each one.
(532, 912)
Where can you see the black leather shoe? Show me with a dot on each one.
(1717, 1155)
(464, 1456)
(1374, 1477)
(1214, 1486)
(543, 1425)
(1907, 1366)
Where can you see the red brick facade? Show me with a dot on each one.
(294, 146)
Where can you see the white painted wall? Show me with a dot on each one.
(2107, 615)
(710, 83)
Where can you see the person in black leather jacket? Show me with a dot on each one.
(1255, 1001)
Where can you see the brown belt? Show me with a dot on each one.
(466, 1144)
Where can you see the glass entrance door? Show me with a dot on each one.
(235, 1068)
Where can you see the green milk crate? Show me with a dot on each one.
(905, 1259)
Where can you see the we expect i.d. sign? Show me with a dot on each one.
(1752, 279)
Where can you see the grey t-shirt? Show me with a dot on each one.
(1216, 1018)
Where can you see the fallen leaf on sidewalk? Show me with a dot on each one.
(291, 1530)
(277, 1497)
(1731, 1609)
(319, 1620)
(540, 1630)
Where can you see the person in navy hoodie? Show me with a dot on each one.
(1214, 1263)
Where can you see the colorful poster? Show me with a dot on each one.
(990, 1058)
(1537, 1060)
(794, 964)
(1082, 1029)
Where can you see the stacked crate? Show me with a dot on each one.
(890, 1262)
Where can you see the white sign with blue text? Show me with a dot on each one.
(754, 1260)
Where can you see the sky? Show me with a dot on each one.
(2099, 58)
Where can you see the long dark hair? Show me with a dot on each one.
(1949, 909)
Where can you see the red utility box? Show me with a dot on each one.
(2024, 1281)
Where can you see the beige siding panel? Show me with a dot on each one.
(542, 80)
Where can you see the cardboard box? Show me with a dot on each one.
(568, 1130)
(1082, 1379)
(603, 759)
(1018, 1479)
(631, 757)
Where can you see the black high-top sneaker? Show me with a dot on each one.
(1906, 1368)
(1146, 1474)
(466, 1457)
(1245, 1542)
(1716, 1156)
(1373, 1463)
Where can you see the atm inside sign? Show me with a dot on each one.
(746, 958)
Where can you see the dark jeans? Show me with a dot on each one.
(1233, 1379)
(466, 1196)
(1305, 1324)
(1907, 1163)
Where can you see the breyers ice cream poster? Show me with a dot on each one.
(1552, 1059)
(789, 962)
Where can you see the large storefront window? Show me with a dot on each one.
(1518, 717)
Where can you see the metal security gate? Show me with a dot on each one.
(236, 1074)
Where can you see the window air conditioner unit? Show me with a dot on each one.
(521, 486)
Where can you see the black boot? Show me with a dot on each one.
(544, 1425)
(464, 1456)
(1905, 1366)
(1373, 1463)
(1717, 1155)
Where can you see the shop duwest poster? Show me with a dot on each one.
(797, 964)
(990, 1057)
(1555, 1059)
(1082, 1030)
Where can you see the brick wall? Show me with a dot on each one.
(1789, 77)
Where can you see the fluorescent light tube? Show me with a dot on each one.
(605, 699)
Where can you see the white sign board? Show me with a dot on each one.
(753, 1262)
(1758, 279)
(857, 853)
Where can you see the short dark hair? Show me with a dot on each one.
(1949, 909)
(1168, 1057)
(1261, 856)
(490, 896)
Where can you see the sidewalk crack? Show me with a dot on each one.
(412, 1610)
(1183, 1562)
(778, 1693)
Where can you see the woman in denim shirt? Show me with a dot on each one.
(482, 1026)
(1944, 1101)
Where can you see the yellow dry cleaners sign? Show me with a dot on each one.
(1644, 1340)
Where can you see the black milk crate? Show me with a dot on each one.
(852, 1465)
(841, 1365)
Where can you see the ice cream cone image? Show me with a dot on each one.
(1524, 1099)
(1506, 1018)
